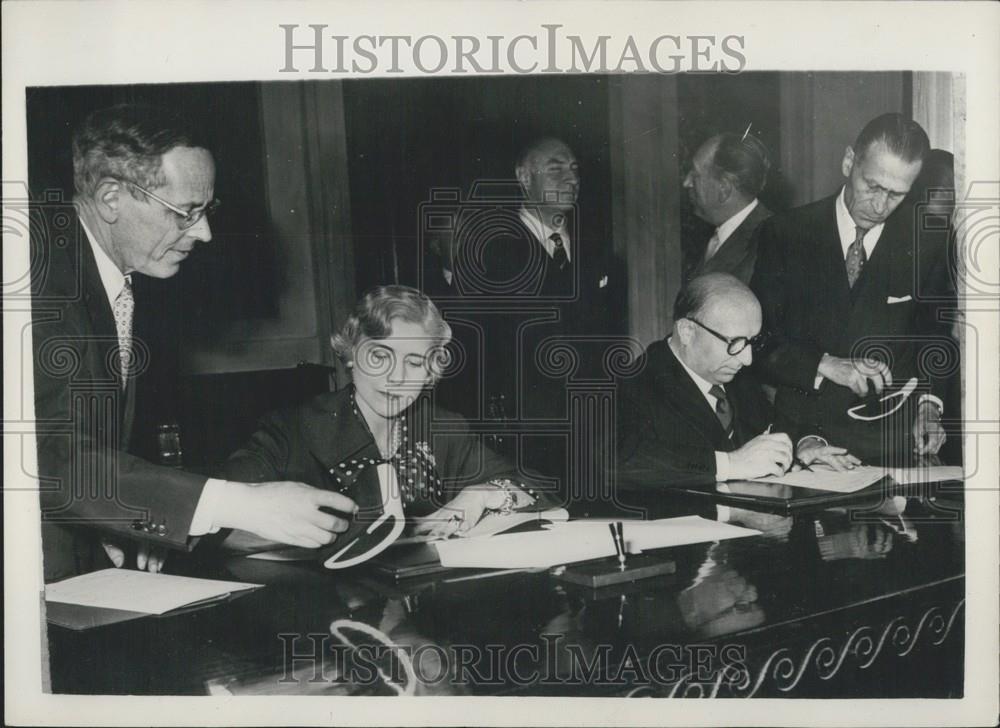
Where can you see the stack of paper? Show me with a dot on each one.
(849, 481)
(564, 543)
(139, 591)
(927, 474)
(644, 535)
(823, 478)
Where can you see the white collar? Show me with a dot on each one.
(729, 226)
(846, 228)
(112, 279)
(703, 384)
(543, 233)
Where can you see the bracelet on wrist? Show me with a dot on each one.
(506, 485)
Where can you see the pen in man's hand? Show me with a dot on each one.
(802, 464)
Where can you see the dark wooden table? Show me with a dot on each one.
(839, 602)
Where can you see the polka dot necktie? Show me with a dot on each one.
(123, 309)
(856, 257)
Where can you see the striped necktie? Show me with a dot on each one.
(723, 410)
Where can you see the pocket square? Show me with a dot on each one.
(603, 282)
(902, 299)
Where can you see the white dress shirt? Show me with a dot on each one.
(847, 229)
(112, 279)
(727, 228)
(543, 233)
(721, 458)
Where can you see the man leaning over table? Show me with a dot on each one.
(143, 189)
(692, 416)
(853, 302)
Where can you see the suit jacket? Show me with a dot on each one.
(809, 309)
(736, 256)
(322, 441)
(667, 432)
(530, 328)
(89, 481)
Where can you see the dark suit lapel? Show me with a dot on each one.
(737, 245)
(890, 268)
(681, 391)
(830, 269)
(103, 346)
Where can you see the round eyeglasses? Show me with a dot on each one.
(736, 344)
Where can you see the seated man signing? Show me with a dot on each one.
(690, 417)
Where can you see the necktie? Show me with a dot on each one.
(713, 246)
(856, 257)
(559, 256)
(723, 410)
(123, 309)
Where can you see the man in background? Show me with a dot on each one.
(144, 187)
(546, 294)
(727, 173)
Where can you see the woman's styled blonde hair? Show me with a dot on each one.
(372, 318)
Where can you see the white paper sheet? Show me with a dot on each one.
(564, 543)
(822, 478)
(664, 532)
(928, 474)
(534, 549)
(138, 591)
(488, 526)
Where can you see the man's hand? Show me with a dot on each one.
(767, 454)
(814, 451)
(148, 558)
(855, 373)
(928, 434)
(285, 512)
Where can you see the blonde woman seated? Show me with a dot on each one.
(394, 345)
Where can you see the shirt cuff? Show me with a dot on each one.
(721, 466)
(810, 437)
(818, 381)
(205, 518)
(933, 399)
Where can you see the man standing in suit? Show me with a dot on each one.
(543, 290)
(143, 191)
(851, 301)
(690, 416)
(727, 173)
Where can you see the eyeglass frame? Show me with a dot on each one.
(751, 341)
(195, 216)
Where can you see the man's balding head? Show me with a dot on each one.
(711, 314)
